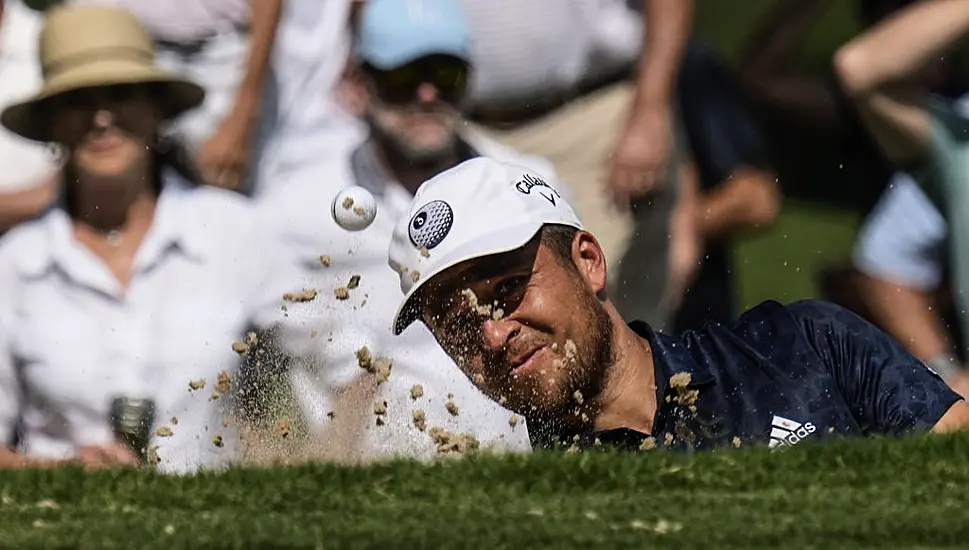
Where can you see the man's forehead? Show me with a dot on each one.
(489, 267)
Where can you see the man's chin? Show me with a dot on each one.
(426, 152)
(540, 402)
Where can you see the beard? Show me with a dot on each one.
(593, 357)
(549, 396)
(401, 145)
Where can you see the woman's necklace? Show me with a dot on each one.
(114, 238)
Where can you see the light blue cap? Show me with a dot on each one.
(393, 33)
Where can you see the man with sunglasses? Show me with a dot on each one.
(514, 289)
(408, 78)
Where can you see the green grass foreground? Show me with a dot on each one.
(875, 493)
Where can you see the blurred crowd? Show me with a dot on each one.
(168, 171)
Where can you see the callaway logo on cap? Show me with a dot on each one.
(478, 208)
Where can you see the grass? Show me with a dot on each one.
(783, 263)
(847, 494)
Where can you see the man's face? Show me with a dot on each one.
(526, 328)
(416, 107)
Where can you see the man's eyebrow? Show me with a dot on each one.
(493, 266)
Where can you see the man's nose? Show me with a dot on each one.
(427, 93)
(497, 333)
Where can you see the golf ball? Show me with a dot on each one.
(354, 208)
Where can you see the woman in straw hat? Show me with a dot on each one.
(120, 306)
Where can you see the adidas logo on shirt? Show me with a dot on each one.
(785, 432)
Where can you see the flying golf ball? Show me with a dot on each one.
(354, 208)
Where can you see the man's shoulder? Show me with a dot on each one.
(771, 324)
(773, 312)
(771, 327)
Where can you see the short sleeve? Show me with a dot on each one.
(903, 239)
(888, 390)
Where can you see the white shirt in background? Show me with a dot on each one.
(327, 332)
(75, 340)
(23, 163)
(527, 50)
(308, 59)
(184, 20)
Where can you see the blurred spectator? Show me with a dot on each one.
(225, 46)
(27, 169)
(309, 57)
(138, 282)
(926, 136)
(901, 257)
(556, 78)
(817, 141)
(408, 79)
(738, 190)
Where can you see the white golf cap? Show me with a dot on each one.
(478, 208)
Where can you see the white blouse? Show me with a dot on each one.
(71, 339)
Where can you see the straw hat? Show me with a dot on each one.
(84, 46)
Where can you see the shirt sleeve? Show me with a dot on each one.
(888, 390)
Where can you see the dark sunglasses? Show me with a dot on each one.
(449, 75)
(93, 98)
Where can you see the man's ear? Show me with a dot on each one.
(588, 257)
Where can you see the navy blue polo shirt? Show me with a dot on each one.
(780, 375)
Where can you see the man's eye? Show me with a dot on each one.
(510, 286)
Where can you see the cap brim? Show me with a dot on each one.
(179, 94)
(399, 57)
(505, 240)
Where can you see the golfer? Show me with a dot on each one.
(498, 267)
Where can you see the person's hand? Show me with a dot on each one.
(11, 460)
(641, 157)
(97, 457)
(223, 158)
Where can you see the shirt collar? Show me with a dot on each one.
(671, 356)
(173, 226)
(369, 173)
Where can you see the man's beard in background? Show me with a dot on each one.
(397, 144)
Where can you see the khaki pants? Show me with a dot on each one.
(578, 138)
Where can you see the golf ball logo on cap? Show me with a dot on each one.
(431, 224)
